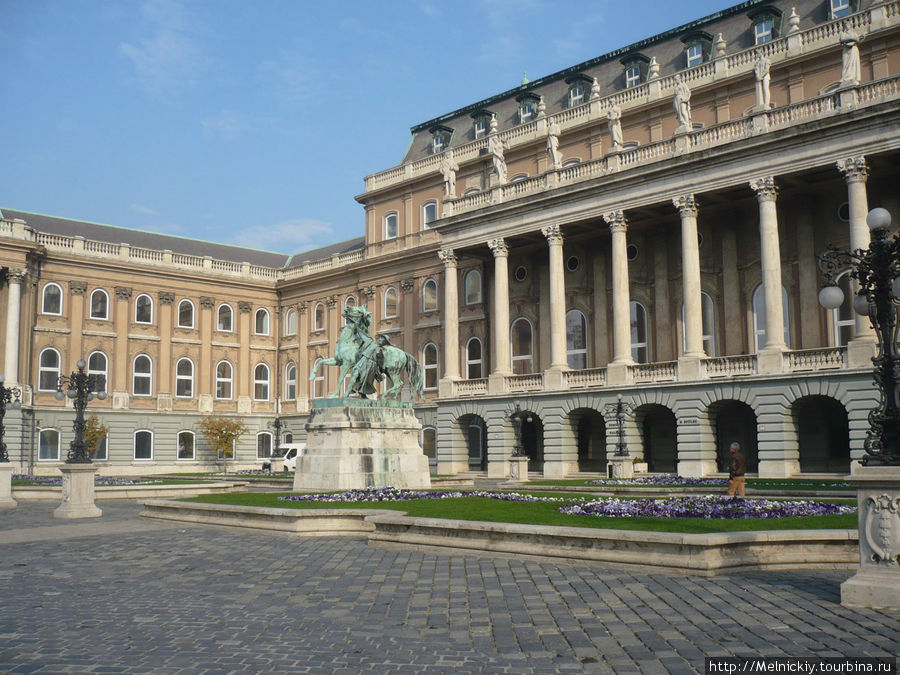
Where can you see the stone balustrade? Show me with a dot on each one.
(827, 358)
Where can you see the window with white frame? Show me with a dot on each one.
(261, 382)
(263, 445)
(290, 382)
(317, 383)
(473, 287)
(224, 380)
(840, 8)
(261, 322)
(474, 359)
(349, 301)
(429, 441)
(640, 350)
(143, 309)
(429, 296)
(390, 226)
(48, 369)
(287, 437)
(759, 317)
(440, 139)
(632, 75)
(693, 55)
(430, 365)
(482, 126)
(528, 105)
(843, 318)
(522, 342)
(48, 445)
(100, 304)
(229, 455)
(576, 94)
(142, 376)
(290, 322)
(185, 443)
(225, 319)
(98, 366)
(185, 314)
(143, 445)
(576, 340)
(101, 450)
(429, 213)
(319, 317)
(51, 299)
(184, 378)
(390, 302)
(763, 31)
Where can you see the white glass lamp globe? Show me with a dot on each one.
(58, 395)
(861, 304)
(878, 219)
(101, 395)
(831, 297)
(80, 364)
(895, 288)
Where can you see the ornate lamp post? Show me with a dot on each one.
(518, 463)
(81, 388)
(277, 426)
(10, 398)
(620, 464)
(877, 271)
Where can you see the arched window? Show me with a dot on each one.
(51, 299)
(390, 226)
(224, 321)
(844, 318)
(429, 296)
(473, 287)
(143, 445)
(99, 304)
(290, 322)
(518, 178)
(640, 350)
(430, 365)
(101, 450)
(48, 445)
(522, 352)
(287, 437)
(429, 213)
(319, 317)
(290, 382)
(224, 379)
(474, 359)
(48, 369)
(143, 309)
(759, 317)
(262, 322)
(184, 378)
(263, 445)
(390, 302)
(349, 301)
(185, 445)
(708, 314)
(185, 314)
(261, 382)
(142, 376)
(429, 441)
(98, 366)
(317, 384)
(576, 340)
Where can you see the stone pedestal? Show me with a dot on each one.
(876, 584)
(622, 467)
(518, 469)
(6, 500)
(357, 443)
(77, 492)
(276, 464)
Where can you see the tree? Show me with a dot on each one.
(222, 433)
(94, 432)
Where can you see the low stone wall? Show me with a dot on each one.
(704, 554)
(49, 492)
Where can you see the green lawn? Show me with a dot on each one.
(492, 510)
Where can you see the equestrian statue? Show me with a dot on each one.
(368, 360)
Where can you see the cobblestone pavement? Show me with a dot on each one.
(121, 594)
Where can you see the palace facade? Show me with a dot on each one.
(643, 225)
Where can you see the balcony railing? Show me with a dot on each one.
(730, 366)
(592, 377)
(471, 387)
(663, 371)
(530, 382)
(817, 359)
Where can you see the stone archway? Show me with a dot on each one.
(533, 440)
(590, 437)
(823, 434)
(658, 431)
(735, 421)
(474, 431)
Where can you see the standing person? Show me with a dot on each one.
(737, 481)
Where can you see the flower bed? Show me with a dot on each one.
(714, 506)
(56, 481)
(661, 480)
(389, 494)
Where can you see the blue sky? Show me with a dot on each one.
(254, 123)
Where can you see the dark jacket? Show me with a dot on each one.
(738, 465)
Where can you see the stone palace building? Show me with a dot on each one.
(645, 224)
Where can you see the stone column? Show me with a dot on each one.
(770, 261)
(451, 322)
(856, 172)
(121, 390)
(239, 377)
(689, 364)
(558, 360)
(500, 321)
(247, 364)
(620, 300)
(13, 314)
(77, 289)
(164, 383)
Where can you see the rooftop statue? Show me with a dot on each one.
(368, 360)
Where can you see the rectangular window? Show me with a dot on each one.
(185, 445)
(694, 55)
(102, 451)
(632, 76)
(762, 31)
(143, 445)
(49, 445)
(839, 8)
(481, 127)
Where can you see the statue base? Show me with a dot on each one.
(359, 443)
(6, 499)
(77, 492)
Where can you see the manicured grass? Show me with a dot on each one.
(492, 510)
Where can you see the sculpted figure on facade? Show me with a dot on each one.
(448, 170)
(850, 67)
(553, 145)
(614, 115)
(682, 103)
(496, 146)
(761, 73)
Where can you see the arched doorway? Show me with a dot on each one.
(475, 432)
(734, 421)
(823, 433)
(533, 440)
(590, 437)
(657, 425)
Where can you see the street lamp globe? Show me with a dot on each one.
(831, 297)
(861, 304)
(878, 219)
(58, 395)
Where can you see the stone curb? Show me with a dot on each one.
(44, 492)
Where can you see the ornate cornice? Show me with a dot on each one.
(765, 188)
(855, 169)
(553, 234)
(498, 247)
(686, 205)
(616, 221)
(123, 292)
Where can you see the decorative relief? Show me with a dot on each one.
(855, 169)
(686, 205)
(331, 300)
(166, 298)
(448, 257)
(207, 302)
(302, 306)
(367, 292)
(77, 287)
(16, 275)
(498, 247)
(407, 285)
(553, 234)
(245, 306)
(881, 528)
(123, 292)
(616, 221)
(765, 188)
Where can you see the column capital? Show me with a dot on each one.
(166, 297)
(16, 275)
(207, 302)
(331, 301)
(855, 169)
(448, 257)
(123, 292)
(77, 287)
(245, 306)
(367, 292)
(686, 205)
(553, 234)
(407, 285)
(302, 306)
(498, 247)
(765, 188)
(616, 221)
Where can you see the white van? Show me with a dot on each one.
(291, 452)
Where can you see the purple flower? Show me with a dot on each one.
(712, 506)
(390, 494)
